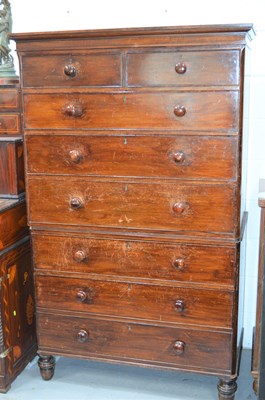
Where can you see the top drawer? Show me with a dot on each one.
(176, 68)
(98, 69)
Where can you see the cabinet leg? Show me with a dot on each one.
(47, 366)
(227, 389)
(255, 386)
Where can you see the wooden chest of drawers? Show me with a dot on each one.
(133, 144)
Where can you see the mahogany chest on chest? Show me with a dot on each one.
(133, 143)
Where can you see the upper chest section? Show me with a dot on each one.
(134, 58)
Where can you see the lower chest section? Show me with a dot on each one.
(137, 301)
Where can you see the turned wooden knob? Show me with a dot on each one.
(180, 207)
(179, 305)
(74, 110)
(70, 70)
(179, 263)
(75, 156)
(179, 157)
(181, 68)
(179, 347)
(82, 336)
(80, 256)
(179, 111)
(76, 203)
(81, 296)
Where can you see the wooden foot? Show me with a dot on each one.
(227, 389)
(255, 386)
(47, 366)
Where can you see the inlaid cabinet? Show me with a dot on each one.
(133, 145)
(17, 311)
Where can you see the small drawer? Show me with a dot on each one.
(135, 343)
(93, 69)
(141, 156)
(176, 207)
(9, 124)
(13, 222)
(9, 99)
(178, 305)
(11, 168)
(176, 111)
(135, 258)
(179, 68)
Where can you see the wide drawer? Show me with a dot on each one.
(207, 111)
(143, 301)
(170, 157)
(72, 69)
(176, 68)
(133, 205)
(134, 343)
(135, 258)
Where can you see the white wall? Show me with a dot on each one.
(34, 15)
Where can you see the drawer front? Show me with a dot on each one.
(136, 343)
(142, 301)
(176, 68)
(97, 69)
(13, 224)
(9, 98)
(170, 157)
(9, 123)
(132, 258)
(130, 205)
(208, 111)
(11, 168)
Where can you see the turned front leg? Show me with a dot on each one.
(47, 366)
(227, 389)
